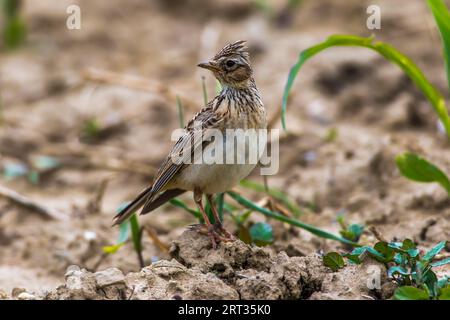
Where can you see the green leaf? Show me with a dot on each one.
(434, 251)
(240, 219)
(34, 177)
(442, 17)
(318, 232)
(410, 293)
(136, 233)
(441, 262)
(218, 87)
(387, 252)
(397, 270)
(352, 232)
(400, 259)
(408, 244)
(355, 255)
(418, 169)
(431, 281)
(396, 245)
(444, 294)
(261, 233)
(334, 261)
(124, 232)
(353, 258)
(112, 249)
(388, 52)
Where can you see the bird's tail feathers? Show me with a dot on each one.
(133, 206)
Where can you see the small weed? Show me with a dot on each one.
(180, 109)
(130, 226)
(350, 232)
(411, 270)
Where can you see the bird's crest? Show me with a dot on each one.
(234, 48)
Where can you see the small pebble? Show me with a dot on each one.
(26, 296)
(90, 235)
(16, 291)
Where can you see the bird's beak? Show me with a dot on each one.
(210, 65)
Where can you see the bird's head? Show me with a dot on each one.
(231, 65)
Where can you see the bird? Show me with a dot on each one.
(238, 106)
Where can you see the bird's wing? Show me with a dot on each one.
(193, 138)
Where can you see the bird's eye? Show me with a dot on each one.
(230, 63)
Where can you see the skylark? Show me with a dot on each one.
(237, 106)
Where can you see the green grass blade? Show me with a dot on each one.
(181, 204)
(218, 87)
(180, 109)
(418, 169)
(220, 204)
(316, 231)
(1, 109)
(205, 93)
(136, 236)
(135, 233)
(277, 194)
(388, 52)
(442, 17)
(124, 232)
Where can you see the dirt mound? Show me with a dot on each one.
(234, 271)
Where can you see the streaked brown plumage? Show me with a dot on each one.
(238, 106)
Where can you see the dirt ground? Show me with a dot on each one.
(62, 82)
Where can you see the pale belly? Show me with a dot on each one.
(213, 177)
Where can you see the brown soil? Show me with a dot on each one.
(377, 111)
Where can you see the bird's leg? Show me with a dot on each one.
(218, 224)
(211, 234)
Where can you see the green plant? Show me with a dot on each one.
(411, 270)
(418, 169)
(205, 93)
(180, 109)
(351, 232)
(442, 18)
(14, 30)
(411, 166)
(91, 129)
(2, 119)
(33, 170)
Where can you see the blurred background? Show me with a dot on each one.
(86, 116)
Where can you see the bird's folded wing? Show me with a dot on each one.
(196, 136)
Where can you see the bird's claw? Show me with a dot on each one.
(216, 232)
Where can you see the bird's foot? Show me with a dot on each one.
(215, 232)
(224, 232)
